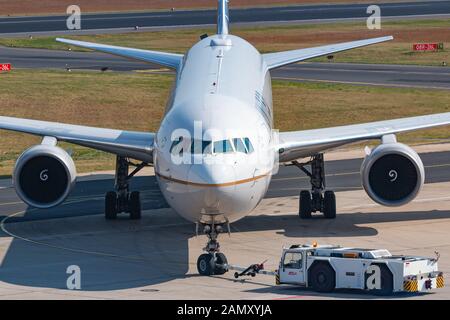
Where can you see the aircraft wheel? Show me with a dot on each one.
(111, 205)
(221, 260)
(135, 205)
(329, 205)
(205, 264)
(305, 204)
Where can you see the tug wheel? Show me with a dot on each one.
(322, 277)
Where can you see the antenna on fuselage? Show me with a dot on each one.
(223, 20)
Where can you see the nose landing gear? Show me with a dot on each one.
(212, 262)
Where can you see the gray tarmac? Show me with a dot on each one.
(402, 76)
(155, 258)
(105, 22)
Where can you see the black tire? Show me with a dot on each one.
(305, 204)
(221, 260)
(329, 205)
(135, 205)
(205, 265)
(111, 205)
(387, 282)
(322, 277)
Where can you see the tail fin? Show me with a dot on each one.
(223, 20)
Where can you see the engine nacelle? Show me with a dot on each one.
(44, 175)
(392, 174)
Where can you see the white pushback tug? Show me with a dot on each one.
(326, 267)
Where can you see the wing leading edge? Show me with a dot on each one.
(133, 144)
(279, 59)
(300, 144)
(165, 59)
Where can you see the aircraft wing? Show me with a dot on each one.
(300, 144)
(279, 59)
(136, 145)
(165, 59)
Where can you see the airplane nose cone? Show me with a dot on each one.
(215, 183)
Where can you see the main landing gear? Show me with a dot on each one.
(212, 262)
(122, 200)
(316, 200)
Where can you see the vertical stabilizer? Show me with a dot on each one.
(223, 19)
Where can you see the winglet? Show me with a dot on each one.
(223, 20)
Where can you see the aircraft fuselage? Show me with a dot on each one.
(212, 153)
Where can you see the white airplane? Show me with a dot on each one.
(216, 151)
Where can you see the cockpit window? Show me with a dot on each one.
(199, 147)
(177, 147)
(239, 145)
(181, 144)
(248, 145)
(223, 146)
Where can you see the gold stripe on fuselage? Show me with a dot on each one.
(197, 184)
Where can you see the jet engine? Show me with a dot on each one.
(392, 174)
(44, 175)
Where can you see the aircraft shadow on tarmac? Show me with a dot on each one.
(345, 225)
(124, 254)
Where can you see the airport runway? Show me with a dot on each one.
(207, 17)
(401, 76)
(364, 74)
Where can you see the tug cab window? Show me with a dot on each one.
(292, 260)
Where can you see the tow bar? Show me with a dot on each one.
(252, 270)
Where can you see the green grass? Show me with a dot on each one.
(113, 100)
(136, 101)
(318, 105)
